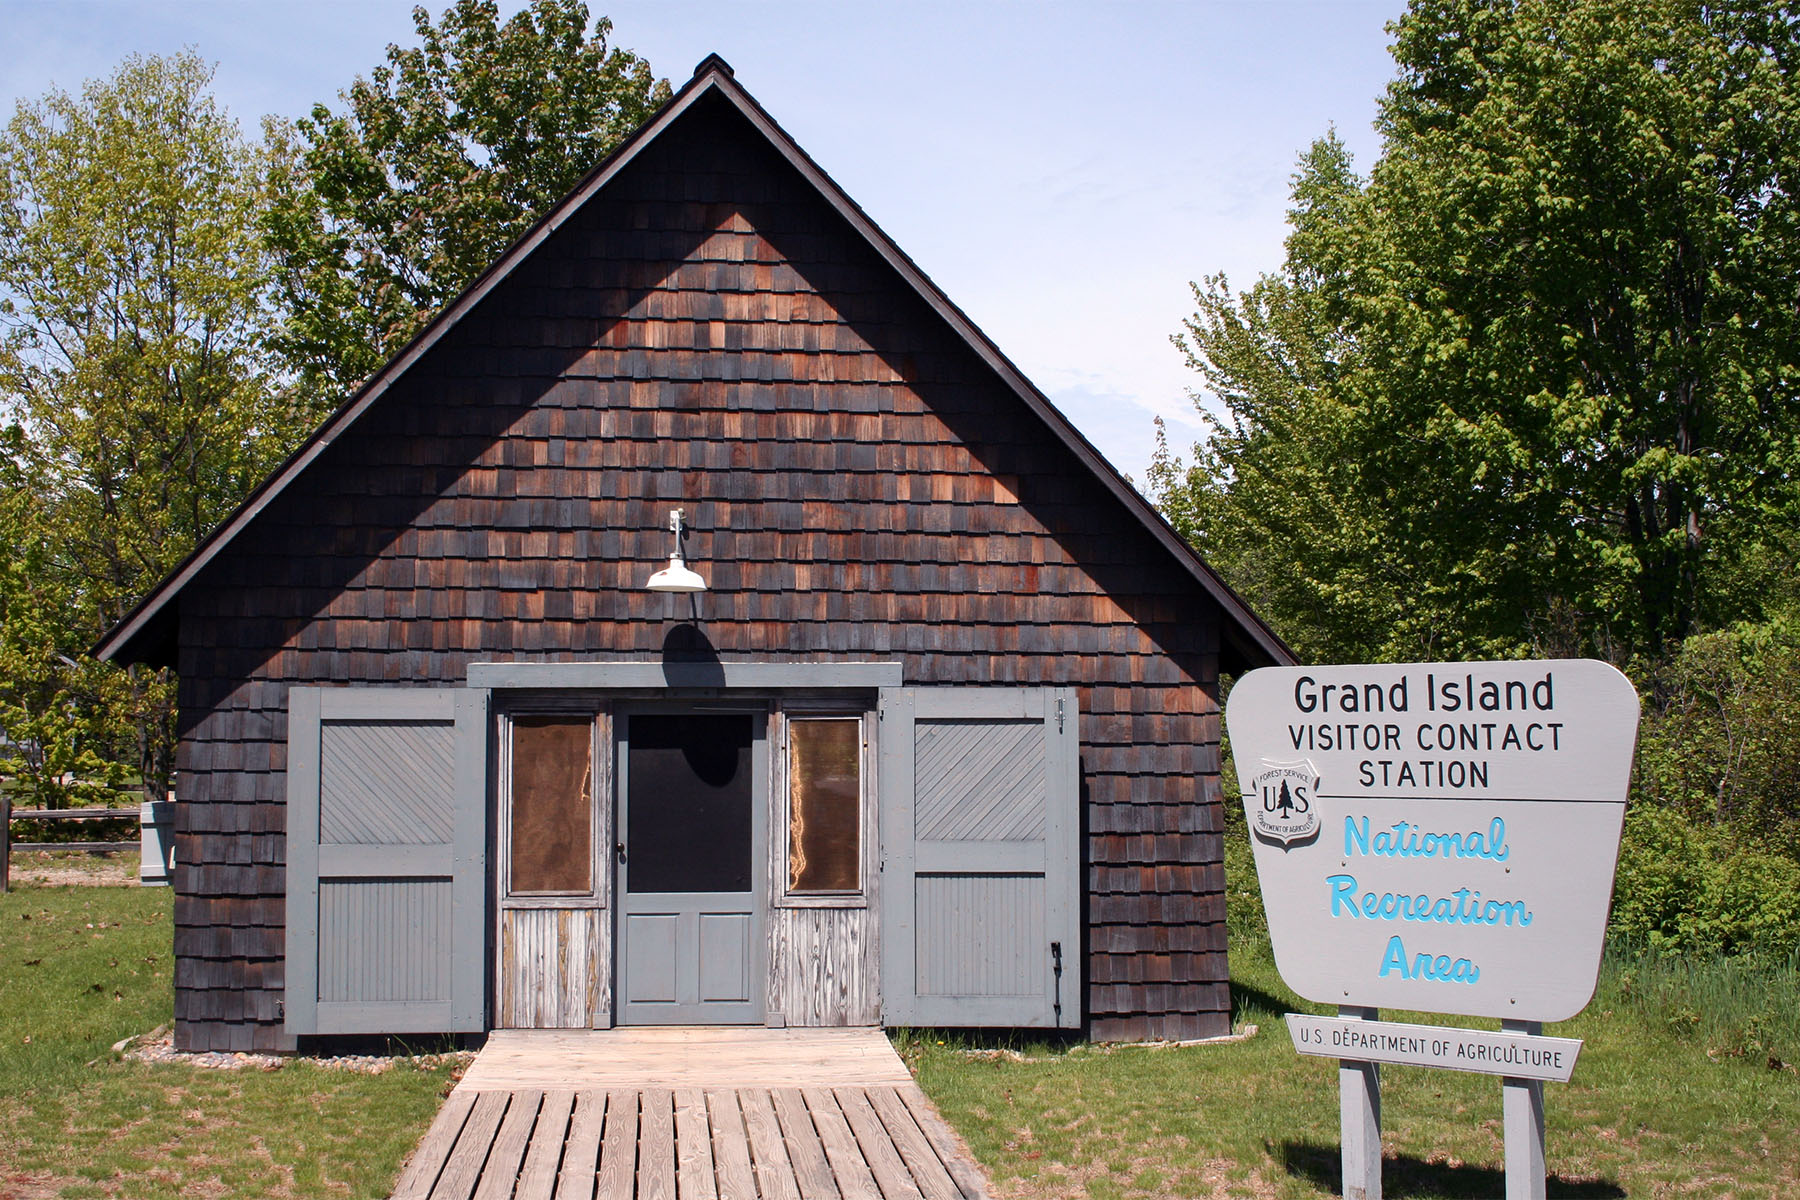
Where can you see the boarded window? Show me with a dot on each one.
(824, 805)
(552, 816)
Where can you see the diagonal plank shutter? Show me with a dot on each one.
(980, 867)
(386, 833)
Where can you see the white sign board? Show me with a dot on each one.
(1517, 1055)
(1437, 836)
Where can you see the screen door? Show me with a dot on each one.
(692, 798)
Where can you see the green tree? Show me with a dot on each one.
(134, 308)
(440, 159)
(1530, 384)
(60, 746)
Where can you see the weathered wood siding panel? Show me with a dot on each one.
(826, 966)
(382, 940)
(980, 935)
(553, 968)
(706, 332)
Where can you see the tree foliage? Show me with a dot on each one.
(133, 290)
(1530, 384)
(439, 159)
(133, 311)
(1722, 747)
(60, 745)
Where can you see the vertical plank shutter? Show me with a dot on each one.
(979, 796)
(387, 834)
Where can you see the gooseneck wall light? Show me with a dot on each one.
(676, 577)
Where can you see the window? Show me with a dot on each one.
(552, 810)
(824, 772)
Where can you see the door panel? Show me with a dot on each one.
(980, 793)
(724, 957)
(692, 794)
(650, 973)
(386, 840)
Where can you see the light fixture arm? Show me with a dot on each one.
(676, 577)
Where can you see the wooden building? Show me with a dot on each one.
(936, 746)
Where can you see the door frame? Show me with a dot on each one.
(605, 688)
(760, 710)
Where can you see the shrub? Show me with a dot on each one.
(1721, 740)
(1692, 888)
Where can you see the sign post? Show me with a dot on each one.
(1359, 1118)
(1438, 837)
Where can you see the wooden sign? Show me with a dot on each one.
(1482, 1051)
(1437, 836)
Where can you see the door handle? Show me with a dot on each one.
(619, 849)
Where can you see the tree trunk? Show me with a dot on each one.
(5, 840)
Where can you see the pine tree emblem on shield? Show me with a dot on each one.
(1282, 804)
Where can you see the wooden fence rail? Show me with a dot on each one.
(154, 827)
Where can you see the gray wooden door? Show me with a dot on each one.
(980, 892)
(386, 845)
(692, 802)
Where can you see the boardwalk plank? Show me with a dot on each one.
(811, 1170)
(949, 1147)
(538, 1180)
(502, 1169)
(774, 1170)
(891, 1175)
(617, 1177)
(854, 1180)
(464, 1166)
(715, 1136)
(693, 1147)
(656, 1147)
(581, 1157)
(731, 1146)
(915, 1148)
(427, 1161)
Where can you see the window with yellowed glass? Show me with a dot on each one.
(552, 808)
(825, 801)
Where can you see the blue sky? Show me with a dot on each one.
(1061, 170)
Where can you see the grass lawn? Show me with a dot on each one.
(82, 967)
(1685, 1087)
(1667, 1100)
(1649, 1113)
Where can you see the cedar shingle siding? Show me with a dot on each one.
(708, 331)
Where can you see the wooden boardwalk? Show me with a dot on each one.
(690, 1115)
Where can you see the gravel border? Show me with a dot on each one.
(158, 1046)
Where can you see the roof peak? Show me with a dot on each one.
(713, 62)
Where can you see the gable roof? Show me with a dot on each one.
(148, 632)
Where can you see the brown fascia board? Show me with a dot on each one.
(150, 627)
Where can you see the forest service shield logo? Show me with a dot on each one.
(1281, 804)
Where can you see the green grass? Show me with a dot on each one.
(1685, 1087)
(1675, 1093)
(1653, 1110)
(82, 968)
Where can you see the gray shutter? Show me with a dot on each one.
(979, 796)
(386, 836)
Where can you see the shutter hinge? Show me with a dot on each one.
(1059, 714)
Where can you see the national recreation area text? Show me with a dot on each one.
(1460, 906)
(1449, 727)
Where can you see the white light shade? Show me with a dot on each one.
(676, 578)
